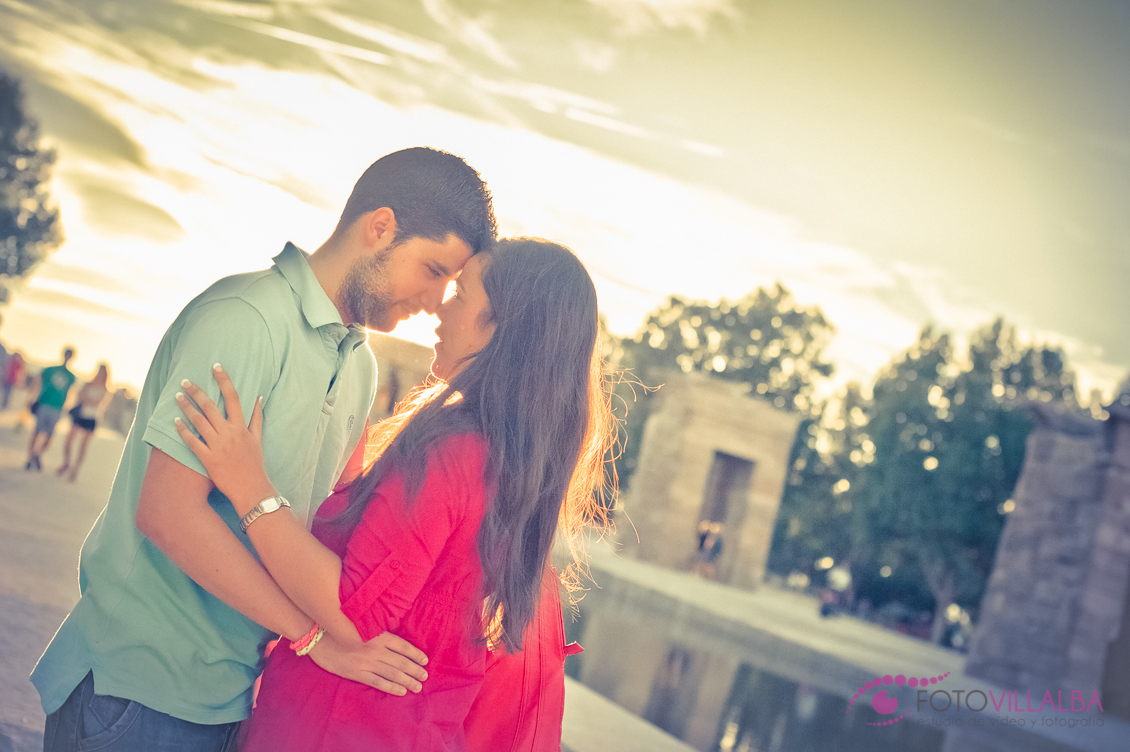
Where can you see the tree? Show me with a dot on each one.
(815, 516)
(29, 224)
(949, 446)
(764, 340)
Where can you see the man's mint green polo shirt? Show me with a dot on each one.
(147, 630)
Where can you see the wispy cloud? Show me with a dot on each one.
(595, 56)
(1109, 145)
(386, 36)
(474, 34)
(1006, 134)
(226, 8)
(312, 42)
(640, 16)
(603, 121)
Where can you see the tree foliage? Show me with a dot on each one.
(918, 479)
(29, 224)
(815, 515)
(764, 340)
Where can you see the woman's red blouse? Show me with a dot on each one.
(411, 570)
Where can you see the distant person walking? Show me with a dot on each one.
(13, 376)
(54, 384)
(5, 356)
(84, 419)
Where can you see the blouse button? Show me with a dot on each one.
(395, 564)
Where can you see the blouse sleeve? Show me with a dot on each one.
(396, 546)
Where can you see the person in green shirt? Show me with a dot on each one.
(164, 646)
(54, 384)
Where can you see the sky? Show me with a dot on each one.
(893, 162)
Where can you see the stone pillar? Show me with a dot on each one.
(1054, 603)
(120, 411)
(1111, 570)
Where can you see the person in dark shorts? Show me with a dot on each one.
(54, 384)
(84, 419)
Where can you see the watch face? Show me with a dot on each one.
(271, 504)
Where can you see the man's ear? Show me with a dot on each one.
(380, 228)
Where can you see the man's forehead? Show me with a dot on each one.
(450, 256)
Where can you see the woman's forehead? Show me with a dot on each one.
(472, 271)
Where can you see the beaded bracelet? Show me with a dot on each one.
(306, 639)
(307, 648)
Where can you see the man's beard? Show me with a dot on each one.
(365, 294)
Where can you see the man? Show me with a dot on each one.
(166, 640)
(54, 384)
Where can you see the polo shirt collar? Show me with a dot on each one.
(317, 307)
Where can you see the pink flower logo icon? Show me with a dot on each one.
(884, 704)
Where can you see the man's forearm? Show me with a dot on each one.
(203, 546)
(173, 512)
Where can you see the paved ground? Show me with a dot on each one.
(43, 520)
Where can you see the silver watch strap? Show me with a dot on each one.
(266, 506)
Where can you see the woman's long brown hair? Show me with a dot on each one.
(537, 393)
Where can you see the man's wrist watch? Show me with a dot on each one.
(266, 506)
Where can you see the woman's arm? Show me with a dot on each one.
(390, 554)
(308, 572)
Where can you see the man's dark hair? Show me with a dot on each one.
(432, 193)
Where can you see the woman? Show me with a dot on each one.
(13, 376)
(84, 419)
(445, 538)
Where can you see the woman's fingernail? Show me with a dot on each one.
(178, 421)
(217, 367)
(185, 383)
(180, 396)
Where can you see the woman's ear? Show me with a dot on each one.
(486, 323)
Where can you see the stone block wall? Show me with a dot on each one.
(401, 366)
(696, 416)
(1053, 613)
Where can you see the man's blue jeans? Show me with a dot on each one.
(100, 723)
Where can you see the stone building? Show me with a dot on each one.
(401, 365)
(119, 412)
(709, 454)
(1055, 614)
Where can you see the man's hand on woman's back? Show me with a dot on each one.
(386, 662)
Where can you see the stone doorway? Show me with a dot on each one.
(725, 501)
